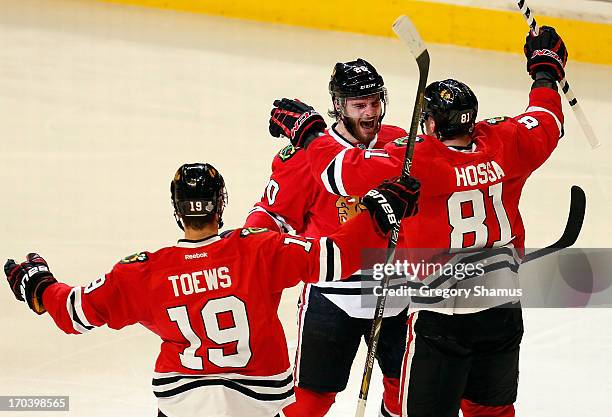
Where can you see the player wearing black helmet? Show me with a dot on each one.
(198, 196)
(333, 319)
(465, 349)
(212, 298)
(450, 109)
(359, 100)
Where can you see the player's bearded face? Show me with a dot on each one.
(362, 114)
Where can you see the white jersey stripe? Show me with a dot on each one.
(407, 364)
(337, 262)
(323, 259)
(302, 315)
(75, 311)
(338, 172)
(279, 220)
(542, 109)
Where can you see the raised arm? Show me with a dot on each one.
(77, 310)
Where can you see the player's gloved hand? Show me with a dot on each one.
(393, 200)
(295, 120)
(546, 53)
(29, 279)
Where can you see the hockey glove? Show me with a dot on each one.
(391, 201)
(546, 53)
(29, 280)
(295, 120)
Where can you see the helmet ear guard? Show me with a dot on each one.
(198, 191)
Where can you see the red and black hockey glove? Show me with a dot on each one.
(29, 279)
(546, 53)
(392, 201)
(295, 120)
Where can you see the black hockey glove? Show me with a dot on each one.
(29, 279)
(546, 53)
(392, 201)
(295, 120)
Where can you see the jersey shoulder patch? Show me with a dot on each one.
(248, 231)
(137, 257)
(496, 120)
(403, 141)
(287, 153)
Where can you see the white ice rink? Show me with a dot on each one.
(99, 104)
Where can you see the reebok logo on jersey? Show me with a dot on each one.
(196, 255)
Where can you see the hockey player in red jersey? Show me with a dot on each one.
(460, 350)
(332, 319)
(213, 298)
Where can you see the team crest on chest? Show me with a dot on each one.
(137, 257)
(348, 207)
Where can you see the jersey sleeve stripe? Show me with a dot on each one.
(333, 261)
(323, 265)
(332, 175)
(75, 311)
(330, 266)
(542, 109)
(279, 220)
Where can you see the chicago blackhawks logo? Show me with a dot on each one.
(348, 207)
(252, 231)
(496, 120)
(137, 257)
(446, 95)
(287, 152)
(405, 140)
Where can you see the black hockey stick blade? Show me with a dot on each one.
(572, 228)
(408, 34)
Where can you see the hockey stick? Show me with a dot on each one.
(565, 87)
(572, 228)
(408, 34)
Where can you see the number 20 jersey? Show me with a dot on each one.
(294, 200)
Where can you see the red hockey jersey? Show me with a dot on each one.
(469, 197)
(295, 201)
(214, 304)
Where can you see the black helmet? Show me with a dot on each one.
(355, 79)
(198, 190)
(452, 105)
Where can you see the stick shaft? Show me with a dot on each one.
(406, 31)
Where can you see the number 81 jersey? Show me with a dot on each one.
(469, 195)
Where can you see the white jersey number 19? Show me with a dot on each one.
(239, 333)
